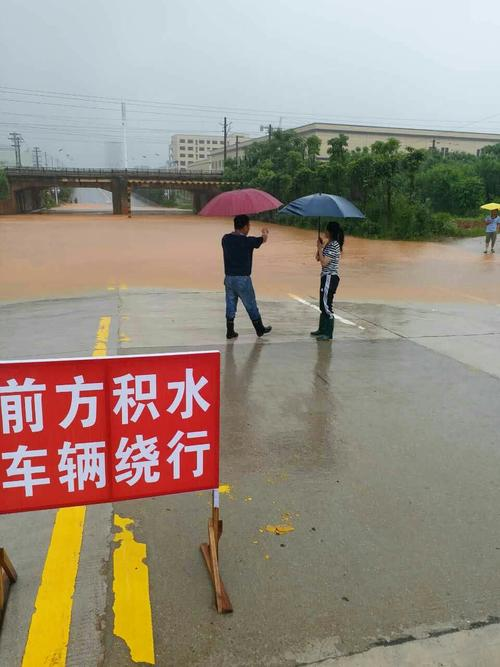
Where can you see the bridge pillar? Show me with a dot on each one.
(28, 199)
(200, 198)
(120, 199)
(8, 206)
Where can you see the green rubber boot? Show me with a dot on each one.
(321, 327)
(328, 333)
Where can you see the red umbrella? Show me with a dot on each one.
(238, 202)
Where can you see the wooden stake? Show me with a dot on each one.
(210, 553)
(8, 576)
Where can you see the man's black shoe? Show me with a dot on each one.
(260, 329)
(230, 332)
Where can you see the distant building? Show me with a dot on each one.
(187, 149)
(360, 136)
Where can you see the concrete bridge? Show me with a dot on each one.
(27, 183)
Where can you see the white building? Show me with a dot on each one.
(360, 136)
(187, 149)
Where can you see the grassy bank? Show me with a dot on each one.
(443, 226)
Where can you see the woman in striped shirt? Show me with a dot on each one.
(328, 254)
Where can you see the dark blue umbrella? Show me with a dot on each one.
(322, 205)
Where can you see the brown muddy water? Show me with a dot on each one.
(69, 254)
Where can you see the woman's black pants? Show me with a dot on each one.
(329, 284)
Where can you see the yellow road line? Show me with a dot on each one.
(132, 607)
(101, 341)
(48, 636)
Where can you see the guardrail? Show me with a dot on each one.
(113, 173)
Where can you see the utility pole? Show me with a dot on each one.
(37, 153)
(124, 136)
(237, 146)
(268, 129)
(46, 163)
(15, 141)
(225, 139)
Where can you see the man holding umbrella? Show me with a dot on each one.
(238, 250)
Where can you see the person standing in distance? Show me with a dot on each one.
(238, 250)
(328, 255)
(492, 222)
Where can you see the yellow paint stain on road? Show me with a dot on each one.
(281, 529)
(132, 607)
(48, 636)
(225, 488)
(124, 338)
(102, 337)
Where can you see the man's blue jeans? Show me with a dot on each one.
(240, 287)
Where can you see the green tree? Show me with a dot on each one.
(337, 148)
(488, 168)
(361, 175)
(405, 193)
(313, 147)
(387, 164)
(451, 187)
(272, 165)
(412, 161)
(493, 150)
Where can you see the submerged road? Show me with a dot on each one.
(98, 201)
(46, 255)
(381, 450)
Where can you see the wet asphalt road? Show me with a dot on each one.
(381, 450)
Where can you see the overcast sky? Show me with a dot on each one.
(393, 62)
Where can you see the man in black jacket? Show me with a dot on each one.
(238, 250)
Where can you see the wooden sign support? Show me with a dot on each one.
(7, 577)
(210, 553)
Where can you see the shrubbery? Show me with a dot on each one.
(405, 194)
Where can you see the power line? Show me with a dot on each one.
(207, 108)
(247, 114)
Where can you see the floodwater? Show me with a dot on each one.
(70, 253)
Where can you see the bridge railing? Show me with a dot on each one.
(112, 173)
